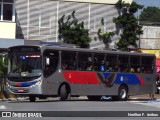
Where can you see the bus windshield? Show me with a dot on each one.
(27, 65)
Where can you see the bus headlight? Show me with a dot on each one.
(39, 82)
(8, 85)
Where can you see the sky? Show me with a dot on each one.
(148, 2)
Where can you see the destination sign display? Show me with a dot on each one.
(25, 49)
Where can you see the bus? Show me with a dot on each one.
(43, 71)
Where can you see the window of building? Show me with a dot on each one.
(7, 10)
(69, 60)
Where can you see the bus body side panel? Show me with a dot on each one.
(96, 90)
(98, 83)
(51, 84)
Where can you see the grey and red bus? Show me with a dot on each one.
(43, 71)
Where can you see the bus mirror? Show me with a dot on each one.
(47, 61)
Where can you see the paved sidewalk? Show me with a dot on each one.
(143, 97)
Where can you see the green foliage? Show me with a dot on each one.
(120, 4)
(105, 37)
(129, 25)
(133, 8)
(73, 32)
(150, 14)
(3, 66)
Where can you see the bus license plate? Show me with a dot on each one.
(20, 90)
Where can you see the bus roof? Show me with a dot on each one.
(86, 50)
(98, 51)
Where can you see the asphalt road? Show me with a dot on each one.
(133, 105)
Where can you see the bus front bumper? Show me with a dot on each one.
(34, 89)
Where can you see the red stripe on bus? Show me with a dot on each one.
(81, 77)
(140, 80)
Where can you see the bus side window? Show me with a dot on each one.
(147, 64)
(124, 63)
(51, 62)
(85, 61)
(99, 64)
(111, 63)
(69, 60)
(135, 64)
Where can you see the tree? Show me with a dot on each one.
(150, 14)
(3, 67)
(105, 37)
(129, 25)
(73, 32)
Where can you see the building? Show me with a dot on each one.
(32, 21)
(150, 42)
(151, 37)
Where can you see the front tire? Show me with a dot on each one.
(32, 98)
(63, 93)
(122, 93)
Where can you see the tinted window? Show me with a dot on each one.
(69, 61)
(7, 12)
(147, 64)
(123, 63)
(135, 64)
(27, 65)
(99, 64)
(111, 63)
(85, 62)
(51, 62)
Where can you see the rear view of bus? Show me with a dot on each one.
(24, 71)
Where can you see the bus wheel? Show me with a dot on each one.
(94, 98)
(122, 93)
(63, 93)
(32, 98)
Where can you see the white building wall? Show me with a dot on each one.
(38, 19)
(151, 37)
(100, 1)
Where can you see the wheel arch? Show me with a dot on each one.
(125, 85)
(123, 98)
(68, 88)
